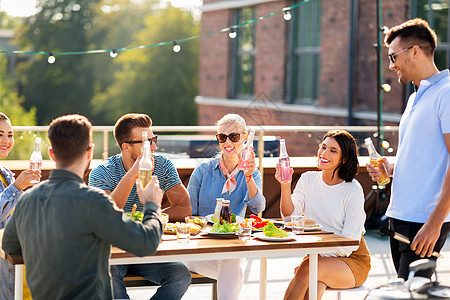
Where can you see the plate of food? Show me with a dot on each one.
(171, 228)
(310, 225)
(264, 237)
(221, 235)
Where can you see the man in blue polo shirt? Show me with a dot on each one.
(420, 198)
(117, 176)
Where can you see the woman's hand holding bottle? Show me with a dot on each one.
(27, 178)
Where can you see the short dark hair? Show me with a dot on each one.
(414, 32)
(123, 126)
(70, 136)
(348, 166)
(4, 117)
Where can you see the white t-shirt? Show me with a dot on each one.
(338, 208)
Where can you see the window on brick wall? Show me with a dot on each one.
(305, 36)
(437, 15)
(243, 55)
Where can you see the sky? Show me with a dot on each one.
(23, 8)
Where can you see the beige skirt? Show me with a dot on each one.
(358, 262)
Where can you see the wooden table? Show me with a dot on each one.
(204, 248)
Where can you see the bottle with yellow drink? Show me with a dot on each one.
(377, 160)
(145, 165)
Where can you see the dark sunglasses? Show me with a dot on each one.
(234, 137)
(153, 139)
(393, 56)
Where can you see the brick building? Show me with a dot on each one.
(318, 68)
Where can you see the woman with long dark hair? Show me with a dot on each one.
(334, 199)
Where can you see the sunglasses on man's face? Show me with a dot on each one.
(234, 137)
(153, 139)
(393, 56)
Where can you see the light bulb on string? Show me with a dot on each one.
(51, 58)
(176, 47)
(113, 53)
(384, 29)
(386, 87)
(287, 13)
(232, 34)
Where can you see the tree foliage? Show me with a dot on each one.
(66, 86)
(156, 80)
(10, 104)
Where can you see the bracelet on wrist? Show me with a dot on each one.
(249, 177)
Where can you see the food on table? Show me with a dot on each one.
(225, 227)
(200, 221)
(171, 228)
(257, 222)
(137, 216)
(308, 223)
(273, 231)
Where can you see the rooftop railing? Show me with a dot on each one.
(103, 135)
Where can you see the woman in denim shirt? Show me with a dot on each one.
(10, 191)
(221, 178)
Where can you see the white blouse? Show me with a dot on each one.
(338, 208)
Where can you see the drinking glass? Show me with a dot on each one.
(298, 224)
(245, 230)
(183, 233)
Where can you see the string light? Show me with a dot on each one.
(51, 58)
(384, 29)
(287, 13)
(232, 34)
(113, 53)
(386, 87)
(176, 47)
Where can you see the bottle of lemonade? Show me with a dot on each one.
(284, 164)
(377, 160)
(246, 153)
(145, 165)
(36, 157)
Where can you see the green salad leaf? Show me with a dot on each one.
(225, 227)
(137, 216)
(271, 230)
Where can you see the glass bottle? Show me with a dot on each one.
(218, 208)
(225, 212)
(145, 165)
(377, 160)
(246, 153)
(284, 163)
(144, 138)
(36, 157)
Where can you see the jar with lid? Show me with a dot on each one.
(225, 212)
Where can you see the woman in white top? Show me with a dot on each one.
(335, 200)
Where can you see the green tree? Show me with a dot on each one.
(10, 104)
(67, 85)
(156, 80)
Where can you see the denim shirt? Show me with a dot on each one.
(8, 196)
(206, 183)
(8, 199)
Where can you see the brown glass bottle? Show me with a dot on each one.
(225, 212)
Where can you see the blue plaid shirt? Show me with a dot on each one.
(107, 176)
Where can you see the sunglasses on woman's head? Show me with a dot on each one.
(234, 137)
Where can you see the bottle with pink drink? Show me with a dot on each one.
(36, 157)
(247, 150)
(284, 165)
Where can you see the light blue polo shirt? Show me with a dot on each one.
(422, 156)
(108, 174)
